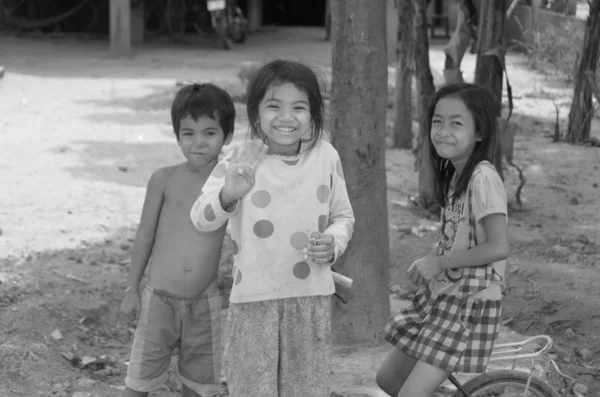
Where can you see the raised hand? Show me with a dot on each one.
(240, 175)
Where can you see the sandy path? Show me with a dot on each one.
(69, 120)
(67, 125)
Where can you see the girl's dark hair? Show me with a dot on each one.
(482, 105)
(279, 72)
(197, 100)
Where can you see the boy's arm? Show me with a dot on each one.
(341, 215)
(146, 233)
(208, 212)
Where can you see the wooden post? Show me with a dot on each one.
(137, 22)
(120, 27)
(255, 15)
(327, 20)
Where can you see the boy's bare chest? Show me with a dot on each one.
(181, 194)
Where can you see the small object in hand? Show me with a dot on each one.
(343, 285)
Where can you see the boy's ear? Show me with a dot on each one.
(478, 138)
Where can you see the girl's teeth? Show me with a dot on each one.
(285, 129)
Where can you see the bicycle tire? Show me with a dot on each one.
(486, 385)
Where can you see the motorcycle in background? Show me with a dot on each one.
(222, 20)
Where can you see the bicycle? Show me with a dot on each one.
(510, 382)
(496, 383)
(222, 20)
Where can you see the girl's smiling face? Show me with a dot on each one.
(453, 131)
(285, 119)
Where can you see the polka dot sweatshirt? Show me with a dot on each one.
(270, 226)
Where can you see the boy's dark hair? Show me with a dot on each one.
(482, 104)
(279, 72)
(197, 100)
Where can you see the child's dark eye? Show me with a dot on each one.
(436, 121)
(300, 108)
(272, 106)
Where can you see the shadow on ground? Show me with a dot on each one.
(123, 163)
(155, 107)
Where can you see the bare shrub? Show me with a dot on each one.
(556, 48)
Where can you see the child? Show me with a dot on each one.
(291, 219)
(453, 320)
(180, 305)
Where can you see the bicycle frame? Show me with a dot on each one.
(511, 351)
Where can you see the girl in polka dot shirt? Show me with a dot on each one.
(291, 219)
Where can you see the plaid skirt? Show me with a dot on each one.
(453, 333)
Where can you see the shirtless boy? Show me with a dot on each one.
(180, 305)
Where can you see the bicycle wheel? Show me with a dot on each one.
(506, 383)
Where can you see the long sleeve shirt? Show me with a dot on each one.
(292, 197)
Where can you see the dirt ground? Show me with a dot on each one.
(80, 134)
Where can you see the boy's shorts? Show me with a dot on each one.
(167, 321)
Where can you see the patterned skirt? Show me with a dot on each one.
(453, 333)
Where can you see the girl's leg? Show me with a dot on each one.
(132, 393)
(251, 352)
(305, 348)
(394, 371)
(423, 380)
(187, 392)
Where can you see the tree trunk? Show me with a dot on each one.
(120, 27)
(425, 89)
(405, 53)
(489, 68)
(582, 110)
(327, 20)
(490, 55)
(457, 46)
(358, 107)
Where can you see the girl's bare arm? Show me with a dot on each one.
(495, 248)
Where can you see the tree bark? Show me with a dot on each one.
(582, 110)
(457, 46)
(490, 55)
(489, 67)
(358, 107)
(405, 53)
(425, 89)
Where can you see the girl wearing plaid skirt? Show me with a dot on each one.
(453, 319)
